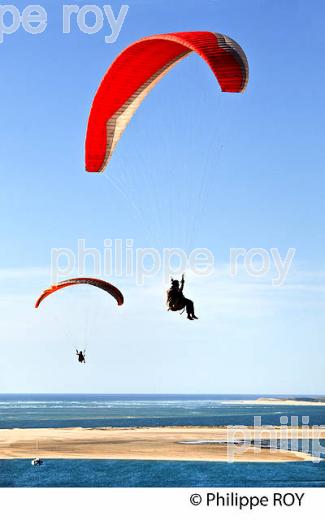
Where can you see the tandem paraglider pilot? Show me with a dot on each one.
(176, 300)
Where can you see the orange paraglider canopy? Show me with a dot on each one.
(101, 284)
(137, 70)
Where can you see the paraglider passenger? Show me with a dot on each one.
(176, 300)
(81, 356)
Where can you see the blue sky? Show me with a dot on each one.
(258, 160)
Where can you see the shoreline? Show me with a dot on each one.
(199, 443)
(274, 401)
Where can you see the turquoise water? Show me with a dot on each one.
(22, 411)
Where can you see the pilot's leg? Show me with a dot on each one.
(190, 310)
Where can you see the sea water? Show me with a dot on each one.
(43, 411)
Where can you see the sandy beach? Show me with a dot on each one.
(277, 401)
(163, 443)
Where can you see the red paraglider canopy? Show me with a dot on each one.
(136, 71)
(101, 284)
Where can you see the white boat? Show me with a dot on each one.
(37, 462)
